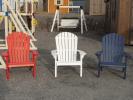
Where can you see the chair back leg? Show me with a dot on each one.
(34, 71)
(125, 73)
(7, 73)
(81, 70)
(55, 70)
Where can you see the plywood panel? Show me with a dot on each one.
(52, 6)
(65, 3)
(97, 7)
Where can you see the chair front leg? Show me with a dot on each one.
(81, 70)
(99, 69)
(7, 73)
(56, 67)
(56, 70)
(34, 71)
(125, 73)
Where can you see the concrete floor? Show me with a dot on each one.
(68, 85)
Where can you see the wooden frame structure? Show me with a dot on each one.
(13, 17)
(56, 19)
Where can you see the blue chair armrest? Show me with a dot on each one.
(126, 56)
(98, 54)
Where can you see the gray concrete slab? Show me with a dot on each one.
(68, 85)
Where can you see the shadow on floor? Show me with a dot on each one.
(4, 89)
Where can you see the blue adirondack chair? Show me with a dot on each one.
(112, 54)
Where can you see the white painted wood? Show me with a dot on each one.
(25, 25)
(17, 20)
(10, 26)
(6, 21)
(69, 7)
(3, 65)
(13, 20)
(2, 13)
(84, 20)
(55, 19)
(24, 14)
(69, 23)
(81, 22)
(26, 6)
(66, 51)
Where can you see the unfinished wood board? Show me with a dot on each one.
(97, 7)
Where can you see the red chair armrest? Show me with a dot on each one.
(5, 54)
(35, 53)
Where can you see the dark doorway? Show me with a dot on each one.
(45, 5)
(111, 20)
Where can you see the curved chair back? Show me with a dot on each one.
(66, 45)
(113, 48)
(18, 47)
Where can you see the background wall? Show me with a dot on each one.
(91, 7)
(87, 6)
(40, 5)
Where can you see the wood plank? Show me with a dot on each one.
(3, 65)
(52, 6)
(97, 7)
(124, 18)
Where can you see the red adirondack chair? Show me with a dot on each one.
(18, 54)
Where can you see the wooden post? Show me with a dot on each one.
(124, 19)
(32, 12)
(6, 20)
(26, 6)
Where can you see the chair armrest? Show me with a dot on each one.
(54, 54)
(98, 54)
(126, 56)
(5, 56)
(34, 55)
(82, 54)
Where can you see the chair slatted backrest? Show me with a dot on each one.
(66, 45)
(18, 47)
(113, 48)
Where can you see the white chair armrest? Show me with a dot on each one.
(54, 54)
(82, 54)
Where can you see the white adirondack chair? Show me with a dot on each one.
(66, 51)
